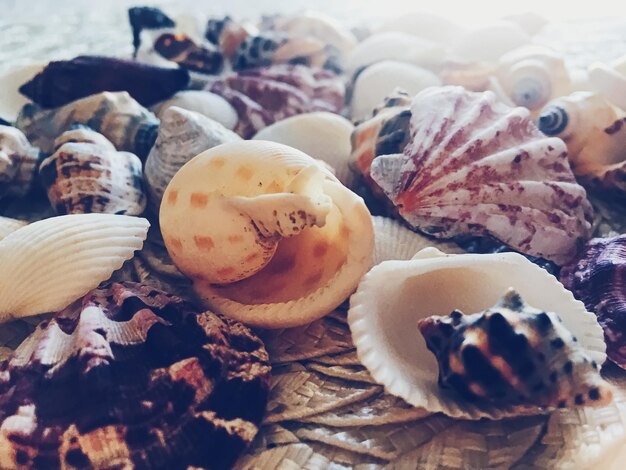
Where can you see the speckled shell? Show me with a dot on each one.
(130, 376)
(204, 102)
(610, 81)
(141, 18)
(516, 354)
(18, 163)
(228, 34)
(322, 135)
(86, 174)
(182, 135)
(8, 225)
(474, 166)
(183, 50)
(117, 116)
(291, 244)
(596, 277)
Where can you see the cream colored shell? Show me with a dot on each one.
(8, 225)
(268, 235)
(203, 102)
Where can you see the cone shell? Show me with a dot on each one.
(86, 174)
(322, 135)
(48, 264)
(18, 163)
(203, 102)
(182, 135)
(8, 225)
(474, 166)
(292, 242)
(382, 321)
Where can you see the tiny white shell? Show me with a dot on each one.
(383, 319)
(203, 102)
(610, 81)
(8, 225)
(490, 42)
(49, 264)
(11, 100)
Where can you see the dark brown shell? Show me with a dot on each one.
(131, 377)
(182, 50)
(141, 18)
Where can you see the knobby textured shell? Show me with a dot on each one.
(322, 135)
(291, 244)
(383, 321)
(596, 277)
(475, 166)
(182, 135)
(117, 116)
(8, 225)
(48, 264)
(131, 376)
(18, 163)
(86, 174)
(206, 103)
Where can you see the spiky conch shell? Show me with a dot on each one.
(48, 264)
(18, 163)
(383, 321)
(474, 166)
(291, 244)
(86, 174)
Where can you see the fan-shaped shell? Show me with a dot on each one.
(18, 163)
(383, 320)
(292, 241)
(475, 166)
(86, 174)
(8, 225)
(490, 42)
(203, 102)
(117, 116)
(322, 135)
(610, 81)
(48, 264)
(182, 135)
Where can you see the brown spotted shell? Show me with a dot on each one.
(132, 377)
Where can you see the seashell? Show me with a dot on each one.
(11, 100)
(266, 95)
(182, 135)
(322, 135)
(379, 80)
(64, 81)
(477, 167)
(182, 50)
(146, 18)
(8, 225)
(610, 81)
(501, 355)
(135, 378)
(292, 242)
(396, 46)
(80, 251)
(474, 76)
(117, 116)
(228, 34)
(595, 278)
(203, 102)
(86, 174)
(18, 163)
(490, 42)
(427, 26)
(397, 357)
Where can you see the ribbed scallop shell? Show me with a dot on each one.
(206, 103)
(18, 163)
(182, 135)
(117, 116)
(48, 264)
(8, 225)
(475, 166)
(86, 174)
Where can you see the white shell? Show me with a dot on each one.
(383, 319)
(379, 80)
(203, 102)
(322, 135)
(8, 225)
(424, 25)
(490, 42)
(610, 81)
(11, 100)
(48, 264)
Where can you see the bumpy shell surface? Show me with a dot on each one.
(86, 174)
(266, 95)
(131, 376)
(67, 80)
(383, 320)
(48, 264)
(182, 135)
(117, 116)
(516, 354)
(322, 135)
(204, 102)
(18, 163)
(476, 166)
(8, 225)
(291, 244)
(183, 50)
(597, 278)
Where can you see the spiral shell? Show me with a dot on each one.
(18, 163)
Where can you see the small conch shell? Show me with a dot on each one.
(117, 116)
(610, 81)
(18, 163)
(291, 244)
(182, 135)
(204, 102)
(8, 225)
(86, 174)
(322, 135)
(48, 264)
(383, 321)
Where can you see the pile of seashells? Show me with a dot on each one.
(243, 162)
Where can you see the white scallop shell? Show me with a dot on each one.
(424, 25)
(490, 42)
(379, 80)
(322, 135)
(48, 264)
(11, 100)
(8, 225)
(610, 81)
(394, 295)
(203, 102)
